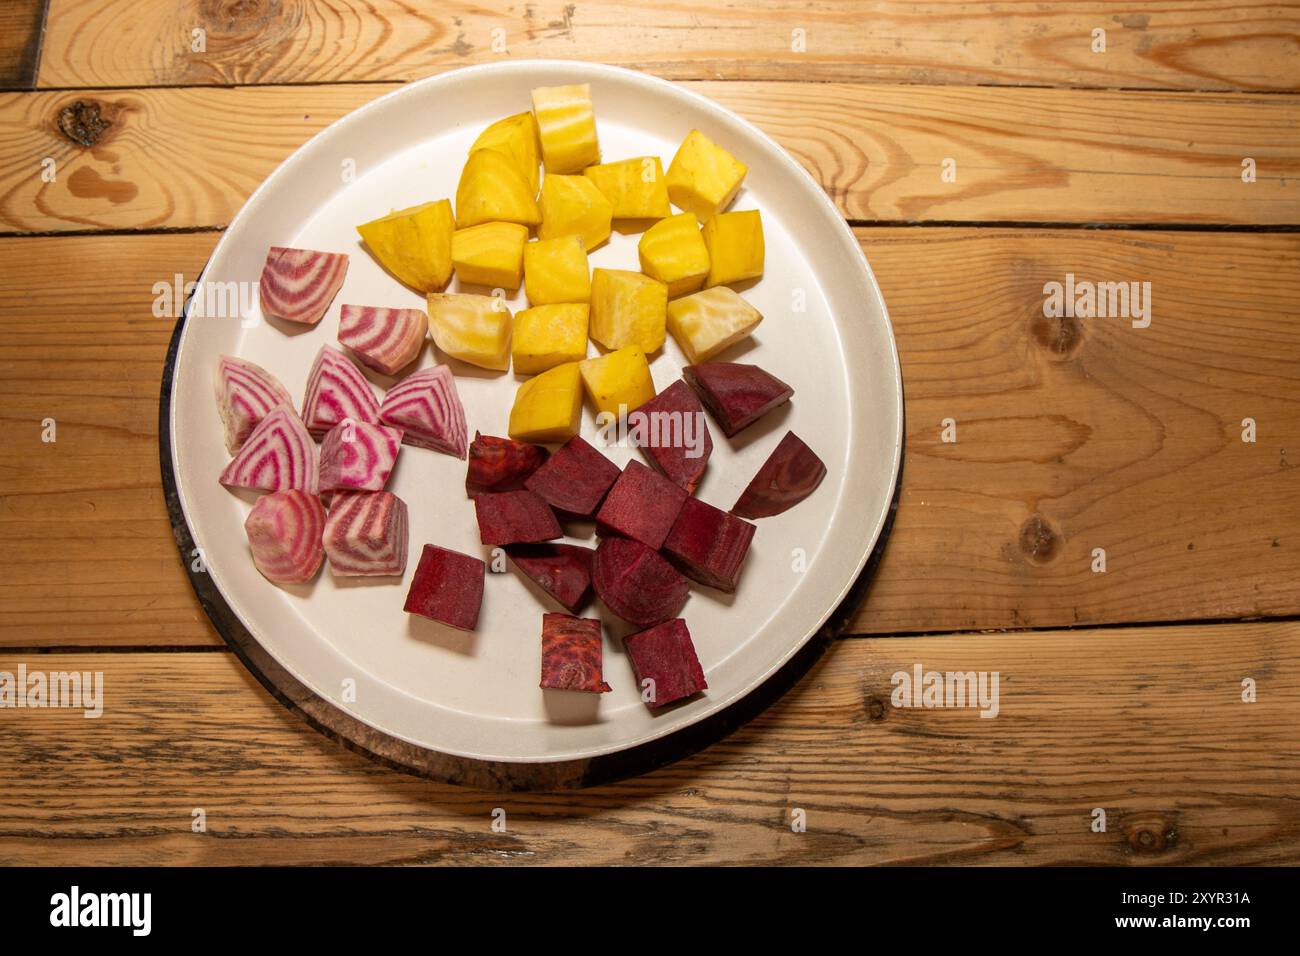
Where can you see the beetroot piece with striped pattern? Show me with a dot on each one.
(366, 534)
(284, 533)
(425, 406)
(277, 456)
(246, 393)
(336, 390)
(386, 340)
(298, 285)
(571, 654)
(356, 456)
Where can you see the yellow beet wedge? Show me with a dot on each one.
(566, 125)
(628, 308)
(492, 189)
(490, 254)
(556, 270)
(735, 244)
(572, 205)
(673, 251)
(703, 177)
(619, 382)
(635, 187)
(707, 322)
(472, 328)
(549, 335)
(414, 244)
(548, 407)
(516, 137)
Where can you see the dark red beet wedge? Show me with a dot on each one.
(663, 659)
(575, 479)
(674, 435)
(447, 587)
(791, 473)
(709, 545)
(636, 583)
(513, 517)
(736, 395)
(561, 570)
(571, 654)
(643, 505)
(500, 464)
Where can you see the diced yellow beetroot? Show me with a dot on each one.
(566, 124)
(548, 407)
(492, 189)
(573, 206)
(703, 177)
(549, 335)
(516, 137)
(735, 243)
(472, 328)
(628, 308)
(673, 251)
(556, 270)
(619, 382)
(706, 323)
(414, 244)
(635, 187)
(490, 254)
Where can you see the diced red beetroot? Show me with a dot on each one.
(791, 473)
(664, 661)
(674, 435)
(501, 464)
(708, 544)
(514, 517)
(643, 505)
(575, 479)
(447, 587)
(571, 654)
(636, 583)
(561, 570)
(736, 395)
(284, 533)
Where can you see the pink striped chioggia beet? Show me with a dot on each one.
(571, 654)
(426, 407)
(791, 473)
(500, 464)
(447, 587)
(284, 532)
(366, 534)
(386, 340)
(673, 434)
(277, 456)
(336, 390)
(664, 661)
(636, 583)
(298, 285)
(561, 570)
(575, 479)
(708, 544)
(356, 456)
(514, 517)
(736, 395)
(643, 505)
(246, 393)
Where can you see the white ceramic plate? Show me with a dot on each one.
(826, 332)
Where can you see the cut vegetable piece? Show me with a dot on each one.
(472, 328)
(735, 244)
(628, 308)
(386, 340)
(516, 137)
(357, 456)
(566, 125)
(571, 654)
(573, 206)
(492, 189)
(673, 251)
(425, 406)
(366, 534)
(500, 464)
(703, 177)
(284, 533)
(791, 473)
(298, 285)
(549, 335)
(556, 270)
(447, 587)
(619, 382)
(336, 390)
(709, 545)
(278, 456)
(664, 661)
(414, 244)
(707, 322)
(672, 431)
(514, 517)
(736, 395)
(642, 505)
(636, 583)
(246, 393)
(548, 407)
(561, 570)
(575, 480)
(635, 187)
(490, 254)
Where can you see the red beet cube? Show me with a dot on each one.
(511, 517)
(672, 431)
(636, 583)
(447, 587)
(575, 479)
(642, 505)
(571, 654)
(736, 395)
(500, 464)
(663, 659)
(709, 545)
(791, 473)
(561, 570)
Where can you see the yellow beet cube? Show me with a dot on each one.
(628, 308)
(707, 322)
(472, 328)
(414, 244)
(549, 335)
(516, 137)
(703, 177)
(673, 251)
(548, 407)
(490, 254)
(573, 206)
(619, 382)
(635, 187)
(735, 243)
(556, 270)
(566, 124)
(492, 189)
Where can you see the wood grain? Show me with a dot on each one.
(148, 159)
(21, 24)
(1147, 724)
(1244, 44)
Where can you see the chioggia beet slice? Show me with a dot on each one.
(284, 532)
(643, 505)
(447, 587)
(575, 479)
(356, 456)
(736, 395)
(791, 473)
(708, 544)
(636, 583)
(246, 393)
(501, 464)
(277, 456)
(386, 340)
(366, 534)
(571, 654)
(426, 407)
(561, 570)
(336, 390)
(664, 661)
(672, 431)
(298, 285)
(514, 517)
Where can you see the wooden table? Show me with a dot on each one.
(1121, 689)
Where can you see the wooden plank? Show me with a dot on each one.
(1250, 44)
(1147, 724)
(1021, 155)
(21, 24)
